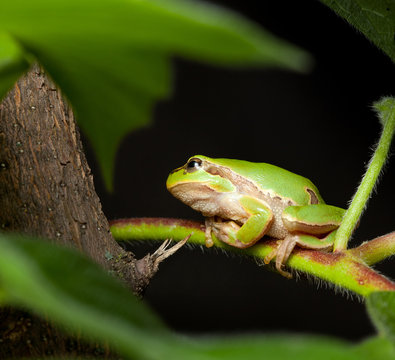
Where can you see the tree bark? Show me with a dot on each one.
(47, 190)
(46, 184)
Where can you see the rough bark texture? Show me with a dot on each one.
(47, 190)
(46, 184)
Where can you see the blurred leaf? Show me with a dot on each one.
(111, 57)
(375, 348)
(68, 288)
(64, 285)
(381, 308)
(278, 348)
(287, 347)
(374, 18)
(12, 62)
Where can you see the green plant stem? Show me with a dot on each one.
(386, 110)
(343, 270)
(376, 250)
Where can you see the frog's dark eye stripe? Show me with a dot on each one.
(193, 165)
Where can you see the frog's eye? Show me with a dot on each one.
(193, 165)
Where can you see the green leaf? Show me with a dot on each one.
(282, 347)
(12, 62)
(111, 57)
(377, 348)
(68, 288)
(381, 308)
(374, 18)
(292, 347)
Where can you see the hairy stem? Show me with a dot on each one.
(343, 269)
(376, 250)
(386, 112)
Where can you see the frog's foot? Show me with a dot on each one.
(209, 226)
(226, 231)
(268, 258)
(282, 254)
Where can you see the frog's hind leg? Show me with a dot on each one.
(284, 250)
(282, 253)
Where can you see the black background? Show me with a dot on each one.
(319, 125)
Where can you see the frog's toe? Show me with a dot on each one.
(284, 273)
(268, 258)
(209, 242)
(283, 252)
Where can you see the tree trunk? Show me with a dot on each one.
(47, 190)
(46, 186)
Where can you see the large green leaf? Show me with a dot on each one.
(64, 285)
(375, 348)
(294, 347)
(69, 289)
(374, 18)
(111, 57)
(381, 308)
(291, 347)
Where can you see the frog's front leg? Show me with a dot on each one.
(242, 235)
(220, 228)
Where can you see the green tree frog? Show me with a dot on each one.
(243, 201)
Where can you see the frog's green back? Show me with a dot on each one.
(271, 177)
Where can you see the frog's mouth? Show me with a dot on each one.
(198, 196)
(191, 193)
